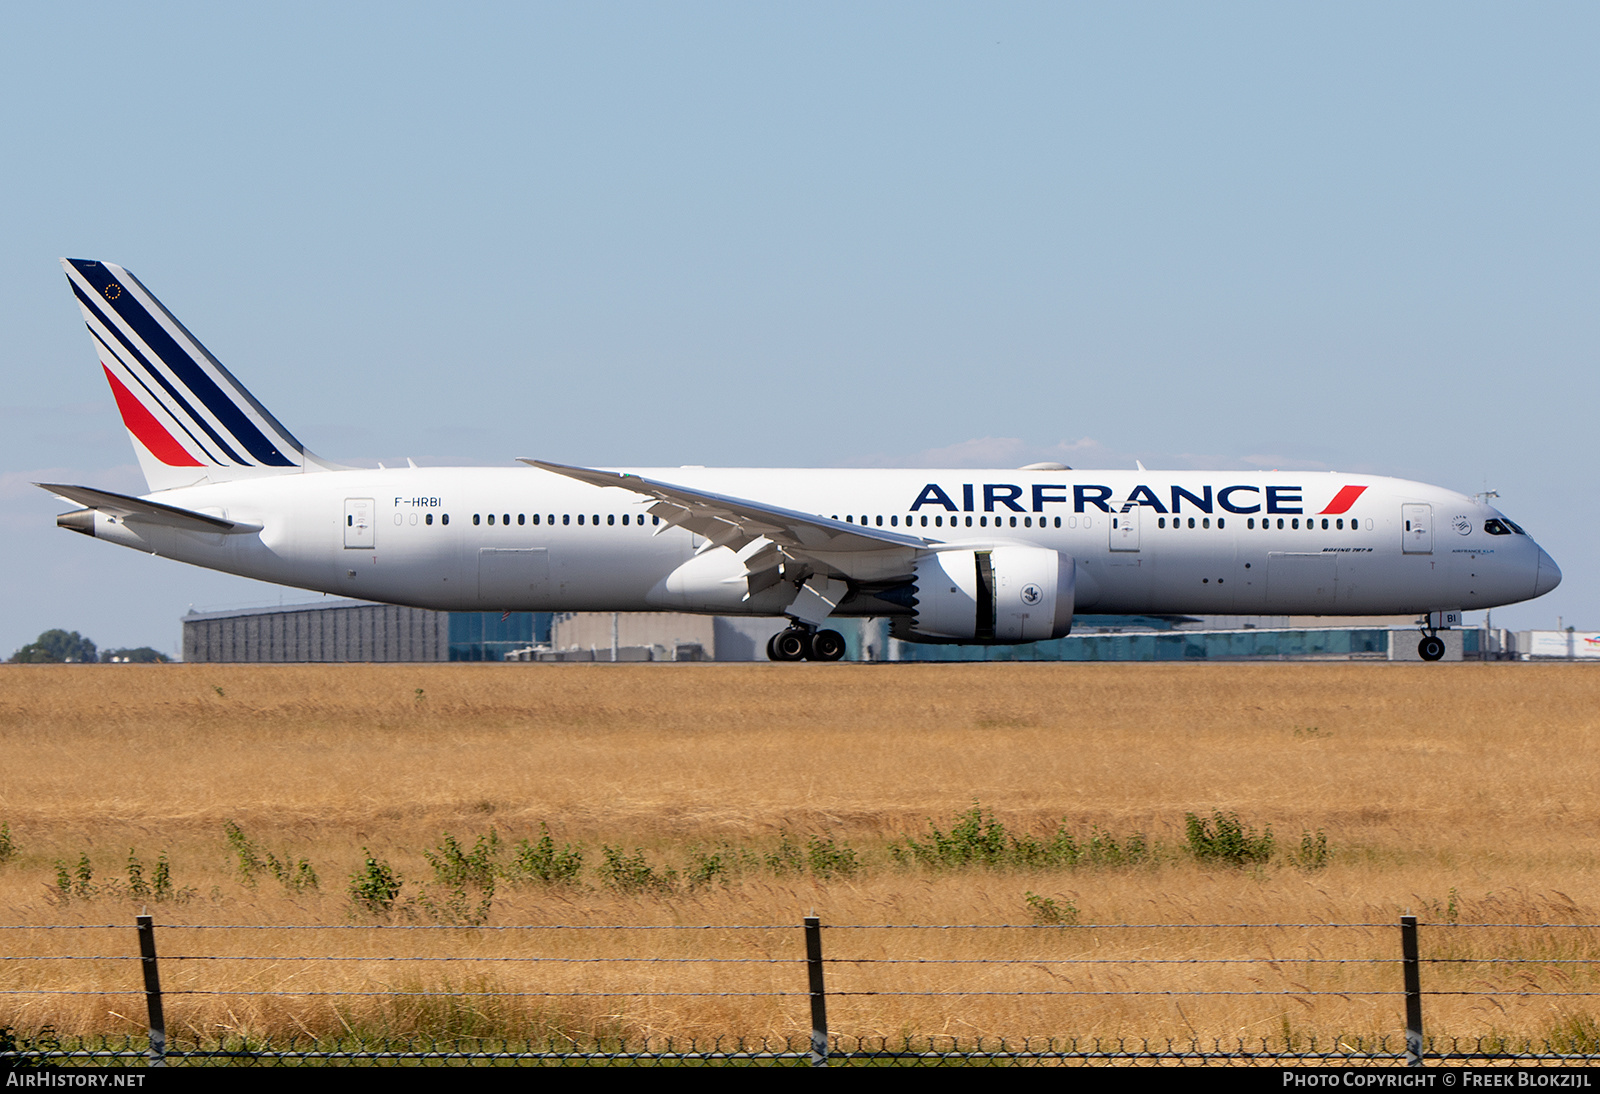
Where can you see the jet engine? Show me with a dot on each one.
(1002, 594)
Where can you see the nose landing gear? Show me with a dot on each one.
(800, 644)
(1431, 648)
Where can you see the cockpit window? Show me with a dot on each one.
(1495, 528)
(1517, 528)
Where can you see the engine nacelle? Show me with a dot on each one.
(1002, 594)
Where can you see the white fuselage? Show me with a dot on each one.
(1142, 542)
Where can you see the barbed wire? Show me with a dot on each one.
(507, 927)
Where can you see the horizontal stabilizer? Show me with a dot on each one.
(151, 512)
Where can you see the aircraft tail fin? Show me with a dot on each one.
(189, 419)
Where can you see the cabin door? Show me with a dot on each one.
(1125, 529)
(358, 522)
(1416, 537)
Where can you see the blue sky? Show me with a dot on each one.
(1355, 236)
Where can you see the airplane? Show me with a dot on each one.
(950, 556)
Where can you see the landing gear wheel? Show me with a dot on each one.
(827, 646)
(772, 649)
(1431, 648)
(791, 645)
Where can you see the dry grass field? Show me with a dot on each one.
(1462, 793)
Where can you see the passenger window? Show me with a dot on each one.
(924, 522)
(1013, 522)
(428, 519)
(445, 519)
(969, 522)
(580, 519)
(1295, 523)
(475, 518)
(566, 518)
(894, 522)
(522, 518)
(611, 518)
(1191, 522)
(536, 519)
(880, 522)
(1250, 523)
(1324, 524)
(1220, 522)
(1161, 522)
(1205, 522)
(505, 519)
(1027, 522)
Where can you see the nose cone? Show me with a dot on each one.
(1548, 576)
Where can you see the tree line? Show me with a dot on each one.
(58, 647)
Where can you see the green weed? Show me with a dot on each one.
(75, 883)
(466, 878)
(456, 867)
(1225, 839)
(632, 874)
(292, 875)
(979, 839)
(1314, 852)
(830, 859)
(542, 862)
(11, 1041)
(718, 866)
(1050, 911)
(375, 887)
(788, 858)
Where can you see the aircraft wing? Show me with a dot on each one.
(737, 522)
(153, 512)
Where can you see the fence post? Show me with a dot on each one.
(152, 991)
(1408, 951)
(819, 999)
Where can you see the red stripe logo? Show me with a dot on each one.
(1343, 500)
(143, 425)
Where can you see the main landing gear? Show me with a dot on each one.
(800, 644)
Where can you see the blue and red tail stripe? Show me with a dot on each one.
(177, 400)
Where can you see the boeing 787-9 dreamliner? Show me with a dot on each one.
(965, 556)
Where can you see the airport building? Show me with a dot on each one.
(331, 630)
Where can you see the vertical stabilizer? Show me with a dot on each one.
(189, 419)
